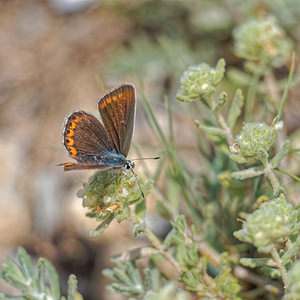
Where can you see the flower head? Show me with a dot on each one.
(200, 81)
(273, 220)
(262, 40)
(108, 196)
(254, 140)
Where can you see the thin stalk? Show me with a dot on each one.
(286, 89)
(251, 95)
(288, 174)
(294, 150)
(292, 250)
(170, 120)
(156, 243)
(182, 175)
(280, 266)
(226, 129)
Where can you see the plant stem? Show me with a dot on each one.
(251, 95)
(286, 89)
(288, 174)
(281, 267)
(226, 129)
(292, 251)
(156, 243)
(270, 174)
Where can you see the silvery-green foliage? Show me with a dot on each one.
(35, 283)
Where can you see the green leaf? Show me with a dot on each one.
(129, 281)
(214, 133)
(272, 272)
(14, 275)
(258, 262)
(222, 99)
(235, 109)
(25, 263)
(43, 285)
(100, 229)
(41, 280)
(248, 173)
(280, 155)
(140, 209)
(53, 278)
(292, 252)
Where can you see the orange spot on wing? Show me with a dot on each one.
(72, 151)
(76, 120)
(115, 98)
(102, 105)
(69, 141)
(108, 100)
(73, 125)
(69, 132)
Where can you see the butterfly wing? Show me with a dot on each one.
(87, 141)
(117, 110)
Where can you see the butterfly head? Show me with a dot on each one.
(129, 165)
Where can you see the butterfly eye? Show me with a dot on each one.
(129, 165)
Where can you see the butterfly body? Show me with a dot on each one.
(104, 146)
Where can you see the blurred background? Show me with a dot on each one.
(57, 56)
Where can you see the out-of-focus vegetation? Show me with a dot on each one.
(226, 188)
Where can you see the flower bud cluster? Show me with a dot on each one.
(262, 40)
(273, 220)
(200, 81)
(254, 140)
(109, 193)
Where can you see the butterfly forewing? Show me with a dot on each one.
(84, 136)
(117, 110)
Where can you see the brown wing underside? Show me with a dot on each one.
(117, 110)
(84, 134)
(69, 166)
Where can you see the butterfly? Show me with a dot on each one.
(104, 146)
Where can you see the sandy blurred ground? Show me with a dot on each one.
(49, 65)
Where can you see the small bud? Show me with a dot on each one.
(273, 220)
(200, 81)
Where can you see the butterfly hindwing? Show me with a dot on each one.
(84, 137)
(117, 110)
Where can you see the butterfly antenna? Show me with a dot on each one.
(143, 195)
(144, 158)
